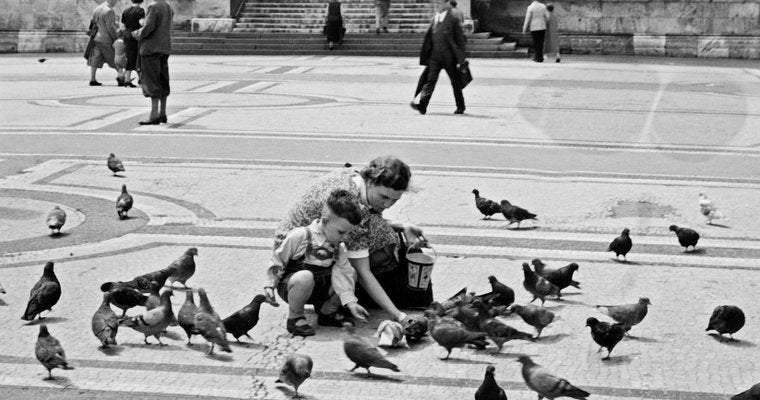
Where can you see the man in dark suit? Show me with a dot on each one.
(443, 48)
(155, 46)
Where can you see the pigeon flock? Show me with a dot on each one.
(464, 319)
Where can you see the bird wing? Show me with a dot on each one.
(363, 354)
(551, 386)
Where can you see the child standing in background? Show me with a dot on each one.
(551, 44)
(120, 56)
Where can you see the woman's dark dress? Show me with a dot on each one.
(334, 23)
(131, 19)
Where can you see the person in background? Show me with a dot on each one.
(551, 43)
(131, 19)
(155, 46)
(382, 8)
(105, 19)
(536, 18)
(334, 29)
(120, 55)
(457, 12)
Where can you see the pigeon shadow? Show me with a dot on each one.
(505, 355)
(46, 320)
(619, 360)
(574, 302)
(291, 394)
(572, 294)
(3, 303)
(523, 228)
(61, 381)
(111, 350)
(720, 226)
(249, 345)
(376, 377)
(551, 339)
(642, 339)
(152, 345)
(454, 360)
(60, 235)
(118, 176)
(219, 357)
(205, 347)
(729, 342)
(626, 262)
(698, 251)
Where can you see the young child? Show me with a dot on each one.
(551, 43)
(120, 56)
(311, 267)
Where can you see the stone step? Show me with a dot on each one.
(522, 53)
(369, 7)
(317, 27)
(299, 14)
(350, 3)
(347, 44)
(309, 39)
(321, 21)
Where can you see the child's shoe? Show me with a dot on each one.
(299, 330)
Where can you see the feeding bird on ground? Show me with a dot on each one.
(538, 286)
(546, 384)
(515, 214)
(709, 210)
(49, 352)
(621, 244)
(209, 325)
(124, 203)
(183, 268)
(105, 323)
(415, 327)
(153, 322)
(485, 206)
(449, 335)
(505, 296)
(627, 314)
(114, 164)
(296, 369)
(124, 295)
(498, 331)
(562, 277)
(44, 294)
(55, 220)
(605, 334)
(726, 319)
(186, 316)
(686, 237)
(489, 389)
(390, 334)
(535, 316)
(362, 354)
(243, 320)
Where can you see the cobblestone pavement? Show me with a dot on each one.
(246, 132)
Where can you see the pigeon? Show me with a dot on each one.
(489, 389)
(183, 268)
(485, 206)
(114, 164)
(621, 244)
(538, 286)
(159, 276)
(415, 327)
(535, 316)
(42, 60)
(362, 354)
(433, 319)
(449, 335)
(539, 267)
(726, 319)
(55, 220)
(390, 334)
(153, 322)
(209, 325)
(543, 382)
(124, 295)
(563, 277)
(506, 296)
(455, 300)
(752, 393)
(605, 334)
(243, 320)
(468, 315)
(124, 203)
(686, 237)
(154, 299)
(296, 369)
(709, 210)
(44, 294)
(498, 331)
(105, 324)
(514, 213)
(186, 316)
(49, 352)
(627, 314)
(140, 284)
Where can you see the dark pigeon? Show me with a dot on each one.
(114, 164)
(563, 277)
(243, 320)
(539, 267)
(159, 276)
(124, 203)
(44, 294)
(546, 384)
(506, 296)
(726, 319)
(105, 324)
(621, 244)
(296, 369)
(209, 325)
(154, 298)
(535, 316)
(415, 327)
(485, 206)
(49, 352)
(450, 335)
(605, 334)
(538, 286)
(515, 214)
(489, 389)
(362, 354)
(186, 316)
(686, 237)
(498, 331)
(183, 268)
(124, 295)
(752, 393)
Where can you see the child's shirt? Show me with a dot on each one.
(323, 254)
(120, 49)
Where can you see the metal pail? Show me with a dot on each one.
(420, 268)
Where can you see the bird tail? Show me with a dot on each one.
(66, 366)
(524, 336)
(575, 393)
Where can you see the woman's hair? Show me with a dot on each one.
(550, 7)
(345, 205)
(387, 171)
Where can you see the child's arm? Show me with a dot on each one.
(291, 247)
(344, 281)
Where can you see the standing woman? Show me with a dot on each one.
(551, 43)
(131, 19)
(373, 245)
(536, 19)
(155, 46)
(334, 24)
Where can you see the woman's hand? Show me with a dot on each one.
(414, 236)
(357, 311)
(269, 293)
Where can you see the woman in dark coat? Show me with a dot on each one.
(131, 19)
(334, 24)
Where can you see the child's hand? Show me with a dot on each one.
(342, 253)
(269, 293)
(357, 311)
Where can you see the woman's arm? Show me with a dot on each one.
(527, 20)
(373, 288)
(412, 232)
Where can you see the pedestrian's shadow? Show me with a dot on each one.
(733, 343)
(46, 320)
(111, 350)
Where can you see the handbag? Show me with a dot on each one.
(465, 76)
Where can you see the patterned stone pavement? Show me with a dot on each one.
(227, 207)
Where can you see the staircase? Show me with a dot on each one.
(294, 27)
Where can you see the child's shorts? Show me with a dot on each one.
(322, 284)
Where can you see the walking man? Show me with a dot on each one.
(536, 18)
(155, 46)
(443, 48)
(105, 19)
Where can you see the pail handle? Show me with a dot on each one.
(422, 239)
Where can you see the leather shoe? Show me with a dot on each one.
(459, 111)
(162, 119)
(150, 122)
(95, 83)
(419, 107)
(120, 82)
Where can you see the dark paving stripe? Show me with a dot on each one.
(358, 377)
(101, 222)
(67, 391)
(187, 229)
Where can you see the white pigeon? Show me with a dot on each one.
(709, 210)
(390, 334)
